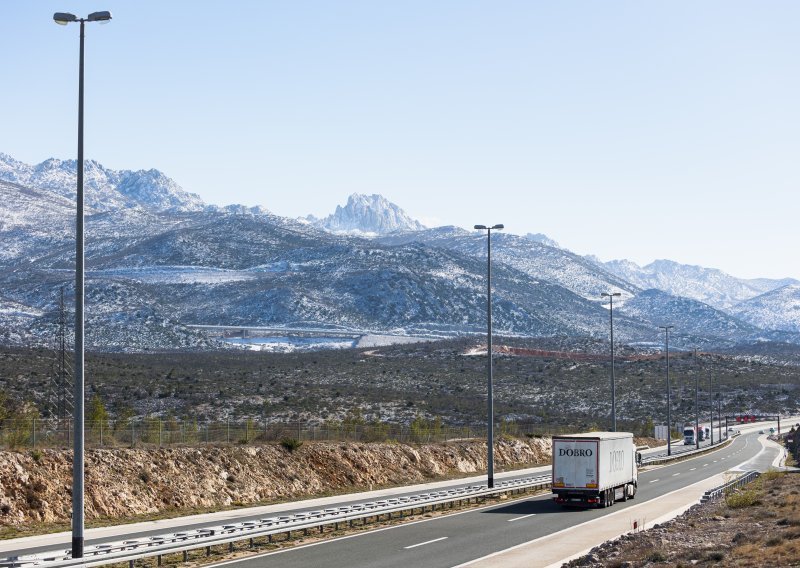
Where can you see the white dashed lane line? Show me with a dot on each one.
(426, 542)
(674, 474)
(522, 517)
(654, 481)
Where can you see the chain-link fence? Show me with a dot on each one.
(54, 433)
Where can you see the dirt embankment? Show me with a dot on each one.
(123, 483)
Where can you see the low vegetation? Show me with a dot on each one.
(427, 385)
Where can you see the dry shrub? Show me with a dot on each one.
(742, 499)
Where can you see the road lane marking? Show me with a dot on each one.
(426, 542)
(674, 474)
(522, 517)
(705, 465)
(654, 481)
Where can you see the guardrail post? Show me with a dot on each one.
(185, 555)
(158, 560)
(208, 551)
(130, 563)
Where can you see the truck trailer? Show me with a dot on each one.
(594, 469)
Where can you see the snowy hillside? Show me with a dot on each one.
(105, 189)
(708, 285)
(537, 260)
(778, 309)
(158, 260)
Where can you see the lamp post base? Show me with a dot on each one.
(77, 547)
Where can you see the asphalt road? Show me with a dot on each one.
(448, 541)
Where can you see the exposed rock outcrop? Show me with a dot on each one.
(130, 482)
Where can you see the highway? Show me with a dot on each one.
(34, 545)
(540, 509)
(458, 538)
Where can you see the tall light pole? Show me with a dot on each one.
(666, 329)
(610, 296)
(490, 399)
(63, 19)
(696, 403)
(711, 403)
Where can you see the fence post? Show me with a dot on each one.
(207, 426)
(246, 431)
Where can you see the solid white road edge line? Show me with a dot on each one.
(662, 519)
(426, 542)
(599, 519)
(625, 511)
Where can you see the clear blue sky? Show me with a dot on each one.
(637, 130)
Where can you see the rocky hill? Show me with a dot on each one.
(105, 189)
(125, 483)
(368, 214)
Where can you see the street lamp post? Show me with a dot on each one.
(666, 329)
(610, 297)
(63, 18)
(490, 399)
(696, 403)
(711, 403)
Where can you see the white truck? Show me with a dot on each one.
(594, 469)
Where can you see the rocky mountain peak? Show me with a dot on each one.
(106, 189)
(371, 214)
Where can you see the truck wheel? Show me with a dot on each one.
(633, 493)
(612, 497)
(625, 492)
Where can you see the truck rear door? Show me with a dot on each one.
(575, 464)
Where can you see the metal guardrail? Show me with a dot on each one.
(691, 453)
(744, 479)
(173, 543)
(130, 550)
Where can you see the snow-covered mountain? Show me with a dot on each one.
(542, 238)
(690, 317)
(708, 285)
(105, 189)
(158, 260)
(777, 309)
(368, 214)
